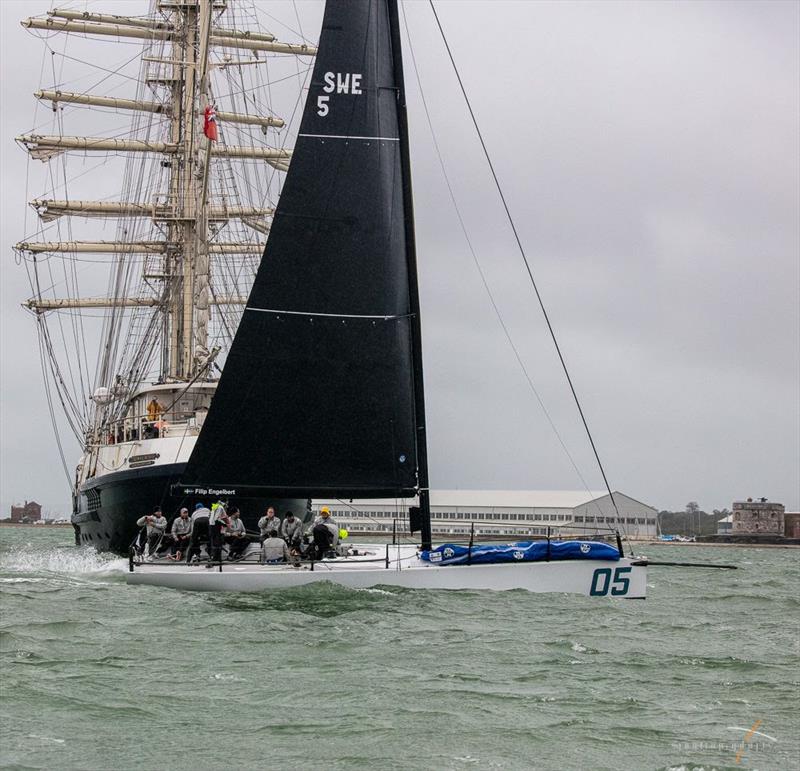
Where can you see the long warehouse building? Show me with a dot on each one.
(502, 512)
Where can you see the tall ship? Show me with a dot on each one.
(164, 155)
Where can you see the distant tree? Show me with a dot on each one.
(693, 517)
(690, 521)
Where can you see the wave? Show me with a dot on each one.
(68, 560)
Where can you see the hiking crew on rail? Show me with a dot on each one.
(218, 526)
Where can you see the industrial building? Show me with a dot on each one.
(502, 512)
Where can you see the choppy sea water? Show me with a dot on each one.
(98, 675)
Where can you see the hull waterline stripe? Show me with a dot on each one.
(326, 315)
(343, 136)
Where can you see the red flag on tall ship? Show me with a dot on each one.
(210, 123)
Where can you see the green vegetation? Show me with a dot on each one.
(692, 521)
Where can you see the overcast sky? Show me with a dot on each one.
(649, 153)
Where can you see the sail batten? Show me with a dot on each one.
(317, 394)
(276, 311)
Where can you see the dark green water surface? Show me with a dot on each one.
(99, 675)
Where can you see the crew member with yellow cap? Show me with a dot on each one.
(325, 532)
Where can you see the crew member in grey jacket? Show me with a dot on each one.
(181, 531)
(291, 530)
(155, 524)
(269, 522)
(274, 549)
(236, 535)
(325, 533)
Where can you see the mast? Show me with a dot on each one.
(413, 281)
(181, 264)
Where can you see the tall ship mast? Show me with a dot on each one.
(134, 328)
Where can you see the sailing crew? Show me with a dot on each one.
(325, 533)
(269, 522)
(217, 520)
(181, 532)
(274, 549)
(323, 518)
(199, 530)
(155, 524)
(291, 531)
(236, 536)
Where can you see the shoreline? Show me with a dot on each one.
(9, 523)
(717, 543)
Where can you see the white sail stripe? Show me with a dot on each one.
(344, 136)
(328, 315)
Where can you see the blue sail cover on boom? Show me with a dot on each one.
(522, 551)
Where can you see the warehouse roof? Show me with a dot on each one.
(528, 499)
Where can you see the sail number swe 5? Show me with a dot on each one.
(339, 83)
(605, 581)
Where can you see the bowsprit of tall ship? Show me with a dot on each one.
(134, 329)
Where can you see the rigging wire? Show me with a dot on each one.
(53, 421)
(94, 64)
(78, 332)
(523, 254)
(478, 267)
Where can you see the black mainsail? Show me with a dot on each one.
(321, 393)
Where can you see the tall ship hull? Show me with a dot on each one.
(138, 464)
(106, 508)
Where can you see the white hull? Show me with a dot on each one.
(623, 578)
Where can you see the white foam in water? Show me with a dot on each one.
(70, 561)
(228, 678)
(47, 739)
(374, 590)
